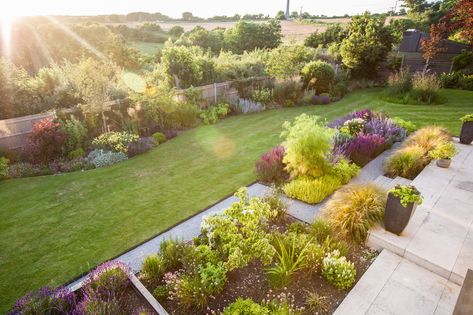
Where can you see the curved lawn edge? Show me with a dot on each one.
(54, 228)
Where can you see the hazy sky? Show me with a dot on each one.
(203, 8)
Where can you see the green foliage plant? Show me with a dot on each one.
(354, 209)
(212, 114)
(407, 194)
(338, 270)
(115, 141)
(406, 162)
(245, 307)
(153, 268)
(408, 125)
(3, 166)
(467, 118)
(444, 150)
(159, 137)
(263, 96)
(307, 143)
(76, 134)
(318, 75)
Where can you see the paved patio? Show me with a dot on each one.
(421, 271)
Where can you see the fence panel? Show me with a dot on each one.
(14, 132)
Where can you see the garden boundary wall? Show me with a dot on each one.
(14, 132)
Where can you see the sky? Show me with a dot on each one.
(202, 8)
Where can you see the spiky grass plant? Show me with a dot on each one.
(406, 162)
(428, 137)
(354, 209)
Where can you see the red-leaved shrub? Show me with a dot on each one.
(46, 141)
(270, 167)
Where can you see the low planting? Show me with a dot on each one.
(315, 159)
(417, 151)
(253, 242)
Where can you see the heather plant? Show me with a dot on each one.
(46, 141)
(212, 114)
(338, 270)
(47, 300)
(142, 145)
(364, 148)
(101, 158)
(271, 168)
(354, 209)
(307, 143)
(406, 162)
(407, 194)
(115, 141)
(385, 128)
(107, 281)
(364, 114)
(312, 190)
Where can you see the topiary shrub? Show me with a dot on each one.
(46, 141)
(318, 75)
(354, 209)
(324, 98)
(338, 270)
(159, 137)
(270, 168)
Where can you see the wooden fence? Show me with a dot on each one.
(14, 132)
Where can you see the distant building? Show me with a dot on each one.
(411, 52)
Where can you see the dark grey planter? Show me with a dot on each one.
(444, 163)
(466, 135)
(396, 216)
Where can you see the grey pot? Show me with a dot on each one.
(396, 216)
(444, 163)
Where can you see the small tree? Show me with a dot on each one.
(46, 141)
(287, 61)
(367, 45)
(180, 66)
(318, 75)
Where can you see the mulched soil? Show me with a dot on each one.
(251, 282)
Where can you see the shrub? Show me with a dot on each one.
(3, 166)
(115, 141)
(406, 162)
(443, 150)
(273, 199)
(77, 153)
(288, 93)
(141, 146)
(428, 137)
(45, 301)
(200, 255)
(46, 141)
(318, 75)
(172, 252)
(161, 292)
(19, 170)
(312, 190)
(288, 261)
(307, 144)
(101, 158)
(354, 209)
(353, 126)
(407, 194)
(107, 281)
(462, 61)
(67, 166)
(212, 114)
(270, 167)
(93, 305)
(364, 114)
(11, 155)
(159, 137)
(320, 229)
(331, 244)
(467, 118)
(75, 135)
(425, 88)
(364, 148)
(407, 125)
(263, 96)
(338, 271)
(344, 170)
(153, 268)
(213, 277)
(400, 82)
(245, 307)
(324, 98)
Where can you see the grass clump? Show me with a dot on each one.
(354, 209)
(428, 137)
(316, 303)
(406, 162)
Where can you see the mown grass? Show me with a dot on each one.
(54, 228)
(147, 47)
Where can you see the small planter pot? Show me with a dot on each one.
(466, 135)
(444, 163)
(396, 216)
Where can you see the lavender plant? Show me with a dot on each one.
(46, 301)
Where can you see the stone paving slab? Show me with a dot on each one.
(439, 236)
(394, 285)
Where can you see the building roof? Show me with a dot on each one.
(412, 42)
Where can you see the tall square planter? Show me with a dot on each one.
(466, 135)
(396, 216)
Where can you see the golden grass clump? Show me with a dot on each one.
(428, 137)
(354, 209)
(406, 162)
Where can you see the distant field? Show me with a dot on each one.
(147, 48)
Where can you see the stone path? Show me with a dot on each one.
(191, 228)
(421, 271)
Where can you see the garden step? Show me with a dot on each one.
(383, 181)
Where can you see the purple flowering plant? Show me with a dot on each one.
(46, 300)
(364, 148)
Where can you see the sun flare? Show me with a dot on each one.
(7, 18)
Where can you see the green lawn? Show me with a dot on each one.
(147, 47)
(54, 228)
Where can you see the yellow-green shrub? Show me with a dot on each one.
(312, 190)
(406, 162)
(354, 209)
